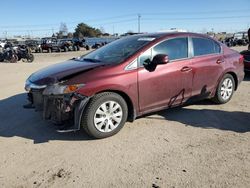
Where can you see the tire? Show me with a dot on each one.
(14, 58)
(98, 122)
(30, 58)
(225, 90)
(19, 58)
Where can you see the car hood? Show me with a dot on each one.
(60, 71)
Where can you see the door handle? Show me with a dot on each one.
(186, 69)
(219, 61)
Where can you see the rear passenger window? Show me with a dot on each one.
(204, 46)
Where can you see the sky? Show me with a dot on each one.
(43, 17)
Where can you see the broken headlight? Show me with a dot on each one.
(59, 89)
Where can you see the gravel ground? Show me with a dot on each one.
(201, 145)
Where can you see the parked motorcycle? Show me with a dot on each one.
(24, 53)
(9, 55)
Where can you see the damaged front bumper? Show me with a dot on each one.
(60, 109)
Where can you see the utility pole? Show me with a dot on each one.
(6, 34)
(139, 23)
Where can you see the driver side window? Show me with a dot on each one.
(176, 48)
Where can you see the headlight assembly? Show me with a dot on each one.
(59, 89)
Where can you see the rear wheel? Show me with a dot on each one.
(40, 50)
(105, 115)
(225, 90)
(30, 58)
(74, 48)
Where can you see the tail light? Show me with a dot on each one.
(241, 60)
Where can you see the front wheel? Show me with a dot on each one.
(105, 115)
(14, 58)
(225, 89)
(87, 47)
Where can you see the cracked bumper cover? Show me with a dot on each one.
(59, 108)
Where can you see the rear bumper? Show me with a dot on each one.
(59, 108)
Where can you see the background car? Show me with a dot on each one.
(34, 45)
(47, 43)
(241, 38)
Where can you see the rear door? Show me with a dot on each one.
(207, 63)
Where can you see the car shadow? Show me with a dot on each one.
(235, 121)
(26, 123)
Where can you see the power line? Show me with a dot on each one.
(127, 16)
(107, 23)
(117, 22)
(73, 22)
(147, 17)
(143, 19)
(199, 12)
(196, 18)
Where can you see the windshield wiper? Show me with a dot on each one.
(91, 60)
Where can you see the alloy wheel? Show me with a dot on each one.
(108, 116)
(226, 90)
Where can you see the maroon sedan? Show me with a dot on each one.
(134, 76)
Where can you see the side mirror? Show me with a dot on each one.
(160, 59)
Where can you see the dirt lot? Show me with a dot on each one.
(202, 145)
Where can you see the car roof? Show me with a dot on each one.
(167, 34)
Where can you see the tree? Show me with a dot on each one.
(83, 30)
(59, 35)
(102, 30)
(70, 35)
(63, 29)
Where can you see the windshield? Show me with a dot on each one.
(118, 51)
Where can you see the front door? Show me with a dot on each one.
(169, 84)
